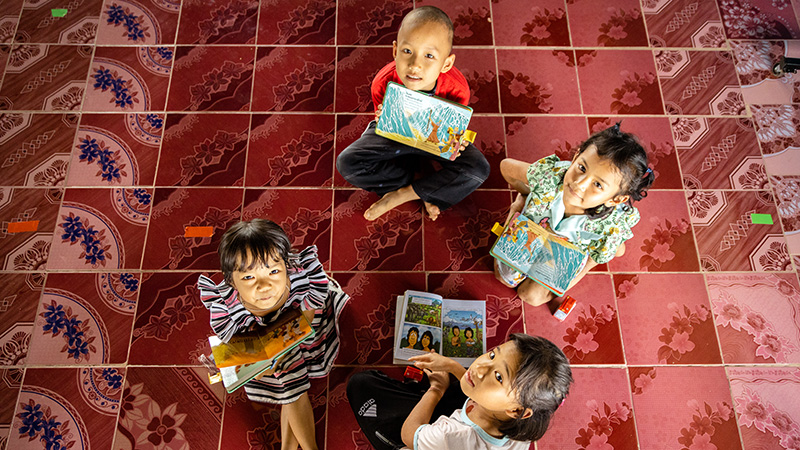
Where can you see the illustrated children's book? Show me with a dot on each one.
(424, 121)
(425, 322)
(248, 354)
(545, 257)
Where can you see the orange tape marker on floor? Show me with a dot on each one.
(199, 232)
(21, 227)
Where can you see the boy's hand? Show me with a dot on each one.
(439, 380)
(433, 361)
(378, 112)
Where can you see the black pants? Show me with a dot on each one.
(377, 164)
(381, 404)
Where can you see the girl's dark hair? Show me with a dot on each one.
(629, 157)
(414, 329)
(470, 332)
(541, 384)
(263, 239)
(455, 327)
(430, 337)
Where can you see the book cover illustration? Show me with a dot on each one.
(463, 329)
(423, 121)
(547, 258)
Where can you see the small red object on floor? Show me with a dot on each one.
(566, 307)
(412, 373)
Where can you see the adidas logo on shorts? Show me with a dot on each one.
(368, 409)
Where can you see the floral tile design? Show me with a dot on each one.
(490, 141)
(684, 23)
(84, 319)
(699, 82)
(169, 314)
(349, 127)
(787, 194)
(210, 78)
(9, 18)
(17, 313)
(754, 61)
(129, 79)
(366, 325)
(391, 242)
(38, 26)
(38, 147)
(356, 67)
(727, 239)
(719, 153)
(175, 209)
(542, 24)
(755, 317)
(101, 229)
(204, 150)
(601, 24)
(765, 399)
(28, 250)
(116, 150)
(169, 407)
(290, 150)
(776, 129)
(531, 138)
(291, 22)
(684, 318)
(618, 82)
(699, 401)
(222, 22)
(471, 20)
(662, 240)
(369, 23)
(43, 77)
(597, 413)
(138, 22)
(591, 333)
(528, 80)
(304, 81)
(478, 66)
(758, 19)
(304, 214)
(10, 383)
(60, 408)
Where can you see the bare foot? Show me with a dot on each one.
(433, 210)
(534, 293)
(389, 201)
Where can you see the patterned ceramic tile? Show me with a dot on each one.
(28, 250)
(129, 79)
(528, 80)
(726, 237)
(684, 317)
(542, 24)
(175, 209)
(348, 128)
(662, 240)
(210, 78)
(776, 129)
(291, 22)
(719, 153)
(369, 23)
(290, 150)
(9, 18)
(36, 148)
(787, 194)
(17, 313)
(699, 82)
(116, 150)
(596, 414)
(754, 62)
(10, 383)
(699, 401)
(138, 22)
(355, 69)
(491, 142)
(684, 23)
(43, 77)
(203, 150)
(38, 26)
(531, 138)
(294, 79)
(222, 22)
(478, 66)
(618, 82)
(602, 24)
(759, 19)
(84, 319)
(101, 229)
(471, 20)
(591, 333)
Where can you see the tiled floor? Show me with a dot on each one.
(127, 120)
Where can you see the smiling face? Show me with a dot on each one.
(263, 288)
(412, 337)
(422, 52)
(591, 181)
(488, 380)
(426, 341)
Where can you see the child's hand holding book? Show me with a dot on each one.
(437, 363)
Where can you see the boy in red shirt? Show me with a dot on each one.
(422, 61)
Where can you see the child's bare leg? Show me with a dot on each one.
(300, 423)
(433, 210)
(534, 293)
(288, 440)
(389, 201)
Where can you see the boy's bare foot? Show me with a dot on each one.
(433, 210)
(389, 201)
(534, 293)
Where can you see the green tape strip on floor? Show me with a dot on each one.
(765, 219)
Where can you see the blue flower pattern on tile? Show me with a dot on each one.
(154, 121)
(129, 281)
(142, 195)
(164, 52)
(113, 378)
(61, 321)
(117, 15)
(93, 151)
(36, 422)
(106, 79)
(79, 231)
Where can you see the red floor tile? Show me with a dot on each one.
(699, 82)
(38, 148)
(787, 196)
(9, 18)
(369, 23)
(294, 79)
(139, 22)
(618, 82)
(223, 22)
(754, 61)
(472, 23)
(9, 391)
(28, 250)
(758, 19)
(597, 23)
(210, 78)
(291, 22)
(524, 90)
(129, 79)
(491, 142)
(534, 137)
(18, 312)
(776, 127)
(544, 24)
(478, 66)
(684, 23)
(355, 69)
(37, 24)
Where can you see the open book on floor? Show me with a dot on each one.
(425, 322)
(249, 354)
(423, 121)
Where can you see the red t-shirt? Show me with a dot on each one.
(451, 85)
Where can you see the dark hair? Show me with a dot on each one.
(430, 337)
(455, 327)
(262, 239)
(470, 331)
(630, 159)
(541, 384)
(415, 330)
(430, 14)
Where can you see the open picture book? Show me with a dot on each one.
(545, 257)
(423, 121)
(426, 321)
(249, 354)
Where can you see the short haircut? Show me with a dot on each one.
(263, 239)
(430, 14)
(429, 334)
(470, 332)
(541, 383)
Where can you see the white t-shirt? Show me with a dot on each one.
(458, 432)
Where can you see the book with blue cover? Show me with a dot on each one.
(423, 121)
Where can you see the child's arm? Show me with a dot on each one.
(437, 362)
(515, 173)
(421, 414)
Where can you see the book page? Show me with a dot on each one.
(419, 330)
(464, 329)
